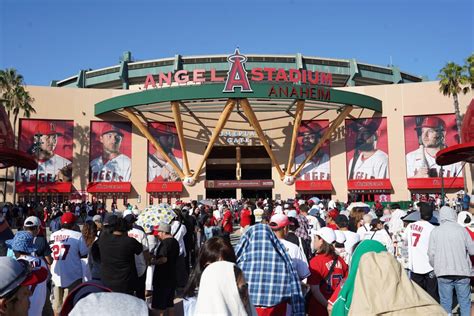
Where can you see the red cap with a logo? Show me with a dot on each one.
(433, 122)
(109, 128)
(68, 218)
(46, 128)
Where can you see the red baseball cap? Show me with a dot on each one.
(279, 221)
(68, 218)
(109, 128)
(46, 128)
(432, 122)
(310, 127)
(333, 214)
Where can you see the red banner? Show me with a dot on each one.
(232, 184)
(435, 183)
(164, 186)
(158, 168)
(319, 167)
(109, 187)
(369, 184)
(110, 152)
(323, 185)
(49, 187)
(425, 136)
(367, 149)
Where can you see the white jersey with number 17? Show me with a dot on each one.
(67, 246)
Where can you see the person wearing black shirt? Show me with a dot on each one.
(117, 250)
(164, 278)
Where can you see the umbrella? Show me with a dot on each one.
(315, 199)
(357, 204)
(416, 216)
(207, 202)
(154, 215)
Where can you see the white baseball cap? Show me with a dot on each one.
(340, 237)
(32, 221)
(278, 209)
(327, 234)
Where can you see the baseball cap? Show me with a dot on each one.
(110, 304)
(110, 219)
(310, 127)
(327, 234)
(97, 218)
(333, 214)
(163, 227)
(292, 213)
(127, 213)
(68, 218)
(80, 292)
(32, 221)
(46, 128)
(279, 221)
(22, 242)
(109, 128)
(465, 219)
(432, 122)
(340, 237)
(278, 209)
(15, 273)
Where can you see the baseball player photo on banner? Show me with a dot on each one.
(158, 168)
(367, 148)
(309, 134)
(111, 152)
(51, 142)
(425, 135)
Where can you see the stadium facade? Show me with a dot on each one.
(239, 125)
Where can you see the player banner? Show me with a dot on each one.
(309, 134)
(159, 170)
(51, 143)
(425, 135)
(111, 152)
(367, 150)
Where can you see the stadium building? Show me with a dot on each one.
(239, 125)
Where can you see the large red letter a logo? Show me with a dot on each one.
(237, 75)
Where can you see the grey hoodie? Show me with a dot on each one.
(450, 246)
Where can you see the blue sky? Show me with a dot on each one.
(47, 40)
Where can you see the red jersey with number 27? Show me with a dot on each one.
(67, 247)
(319, 267)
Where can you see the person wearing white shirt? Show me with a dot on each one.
(380, 234)
(362, 230)
(352, 238)
(67, 246)
(417, 236)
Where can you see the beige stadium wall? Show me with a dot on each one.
(398, 101)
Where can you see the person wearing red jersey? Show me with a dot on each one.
(227, 226)
(245, 217)
(327, 271)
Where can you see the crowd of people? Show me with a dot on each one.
(294, 257)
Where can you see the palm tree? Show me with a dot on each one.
(453, 81)
(470, 71)
(10, 80)
(16, 100)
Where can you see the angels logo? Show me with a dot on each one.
(237, 75)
